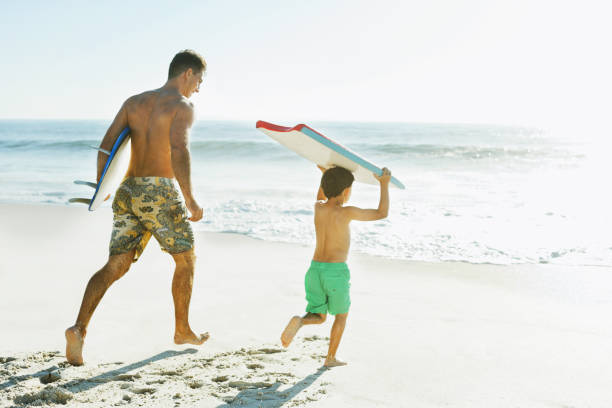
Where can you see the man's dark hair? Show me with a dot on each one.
(184, 60)
(335, 180)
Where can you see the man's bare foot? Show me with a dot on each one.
(74, 346)
(332, 362)
(191, 338)
(292, 328)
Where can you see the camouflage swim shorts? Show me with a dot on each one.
(145, 206)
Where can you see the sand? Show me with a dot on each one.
(419, 334)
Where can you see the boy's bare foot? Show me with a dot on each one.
(292, 328)
(332, 362)
(191, 338)
(74, 346)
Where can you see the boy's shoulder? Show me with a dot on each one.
(321, 206)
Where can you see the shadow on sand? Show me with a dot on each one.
(89, 383)
(12, 381)
(271, 397)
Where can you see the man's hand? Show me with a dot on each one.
(385, 177)
(196, 211)
(321, 168)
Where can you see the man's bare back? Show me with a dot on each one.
(159, 122)
(150, 117)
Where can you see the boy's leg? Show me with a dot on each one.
(334, 341)
(297, 322)
(337, 284)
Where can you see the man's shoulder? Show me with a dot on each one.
(184, 104)
(143, 95)
(183, 109)
(138, 99)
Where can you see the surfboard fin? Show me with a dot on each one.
(101, 150)
(86, 201)
(86, 183)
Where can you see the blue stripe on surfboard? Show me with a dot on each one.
(122, 136)
(348, 154)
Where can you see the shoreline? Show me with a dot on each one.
(355, 252)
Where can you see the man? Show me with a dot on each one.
(147, 202)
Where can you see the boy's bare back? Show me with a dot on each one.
(332, 231)
(332, 221)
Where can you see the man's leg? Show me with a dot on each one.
(334, 341)
(297, 322)
(182, 284)
(114, 269)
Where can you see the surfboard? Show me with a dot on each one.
(114, 170)
(324, 151)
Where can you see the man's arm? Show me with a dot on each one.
(181, 158)
(119, 123)
(360, 214)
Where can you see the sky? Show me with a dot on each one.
(449, 61)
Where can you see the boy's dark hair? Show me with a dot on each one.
(335, 180)
(184, 60)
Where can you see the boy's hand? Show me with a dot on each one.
(321, 168)
(385, 177)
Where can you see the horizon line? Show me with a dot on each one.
(412, 122)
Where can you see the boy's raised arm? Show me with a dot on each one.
(360, 214)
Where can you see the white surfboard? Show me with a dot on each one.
(114, 170)
(323, 151)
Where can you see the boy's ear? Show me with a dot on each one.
(346, 192)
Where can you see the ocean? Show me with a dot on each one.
(474, 193)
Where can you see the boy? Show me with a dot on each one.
(327, 280)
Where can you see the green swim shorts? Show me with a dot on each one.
(145, 206)
(327, 288)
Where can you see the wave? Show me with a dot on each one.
(231, 147)
(466, 151)
(41, 144)
(269, 149)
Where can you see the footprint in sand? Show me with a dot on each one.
(254, 366)
(50, 377)
(146, 390)
(126, 377)
(49, 395)
(196, 384)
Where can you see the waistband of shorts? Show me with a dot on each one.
(329, 265)
(151, 180)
